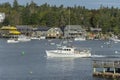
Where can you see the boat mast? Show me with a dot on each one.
(69, 24)
(69, 29)
(69, 17)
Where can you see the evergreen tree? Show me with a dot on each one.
(45, 15)
(15, 5)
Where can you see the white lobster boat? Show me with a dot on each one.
(12, 41)
(66, 51)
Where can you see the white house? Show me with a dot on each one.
(72, 31)
(2, 17)
(54, 33)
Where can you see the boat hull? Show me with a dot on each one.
(24, 40)
(12, 41)
(79, 39)
(51, 53)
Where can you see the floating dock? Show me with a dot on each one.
(106, 68)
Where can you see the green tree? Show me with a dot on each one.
(15, 5)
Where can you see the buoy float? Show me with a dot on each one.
(23, 53)
(30, 72)
(101, 46)
(116, 52)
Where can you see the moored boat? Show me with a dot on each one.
(35, 38)
(12, 41)
(115, 39)
(42, 37)
(80, 39)
(23, 38)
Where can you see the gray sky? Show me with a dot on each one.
(94, 4)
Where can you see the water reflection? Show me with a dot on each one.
(62, 66)
(69, 68)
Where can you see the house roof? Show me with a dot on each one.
(73, 27)
(95, 29)
(23, 27)
(14, 32)
(42, 29)
(8, 28)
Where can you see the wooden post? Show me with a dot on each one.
(103, 70)
(103, 67)
(114, 67)
(94, 70)
(114, 70)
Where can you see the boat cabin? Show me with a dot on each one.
(65, 48)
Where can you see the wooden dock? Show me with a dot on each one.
(106, 68)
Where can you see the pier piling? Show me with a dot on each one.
(106, 68)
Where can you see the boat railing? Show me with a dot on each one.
(85, 49)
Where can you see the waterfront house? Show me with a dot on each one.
(40, 31)
(2, 17)
(72, 31)
(54, 33)
(25, 29)
(96, 32)
(8, 31)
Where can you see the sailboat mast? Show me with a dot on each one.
(69, 24)
(69, 17)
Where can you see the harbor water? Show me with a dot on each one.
(28, 60)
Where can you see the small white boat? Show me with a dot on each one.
(52, 43)
(115, 39)
(66, 51)
(80, 39)
(35, 38)
(42, 37)
(23, 38)
(12, 41)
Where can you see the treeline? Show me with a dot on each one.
(53, 16)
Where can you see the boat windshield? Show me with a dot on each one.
(64, 48)
(67, 49)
